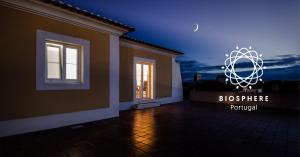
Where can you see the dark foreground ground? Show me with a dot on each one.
(182, 129)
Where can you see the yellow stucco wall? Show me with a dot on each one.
(19, 97)
(163, 72)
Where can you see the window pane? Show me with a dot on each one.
(53, 62)
(138, 74)
(53, 70)
(71, 63)
(145, 72)
(52, 54)
(71, 71)
(145, 81)
(71, 55)
(138, 89)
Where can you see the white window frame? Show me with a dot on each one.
(147, 60)
(63, 47)
(42, 83)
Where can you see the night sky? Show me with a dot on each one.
(271, 27)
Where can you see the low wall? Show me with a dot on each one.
(275, 100)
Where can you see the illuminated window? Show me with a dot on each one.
(53, 61)
(144, 80)
(63, 62)
(72, 66)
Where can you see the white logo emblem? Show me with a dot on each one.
(230, 68)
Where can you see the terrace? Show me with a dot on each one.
(181, 129)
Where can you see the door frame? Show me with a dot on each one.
(147, 60)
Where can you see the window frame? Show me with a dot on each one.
(83, 62)
(63, 62)
(79, 65)
(46, 63)
(144, 60)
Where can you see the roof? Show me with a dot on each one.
(76, 9)
(103, 19)
(147, 43)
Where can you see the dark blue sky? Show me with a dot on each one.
(271, 27)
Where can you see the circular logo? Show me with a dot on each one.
(232, 66)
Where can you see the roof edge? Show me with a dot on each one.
(171, 51)
(86, 13)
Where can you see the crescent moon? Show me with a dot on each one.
(196, 29)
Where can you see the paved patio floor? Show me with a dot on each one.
(182, 129)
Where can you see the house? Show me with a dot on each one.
(63, 66)
(197, 77)
(221, 78)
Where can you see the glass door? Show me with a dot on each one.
(144, 81)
